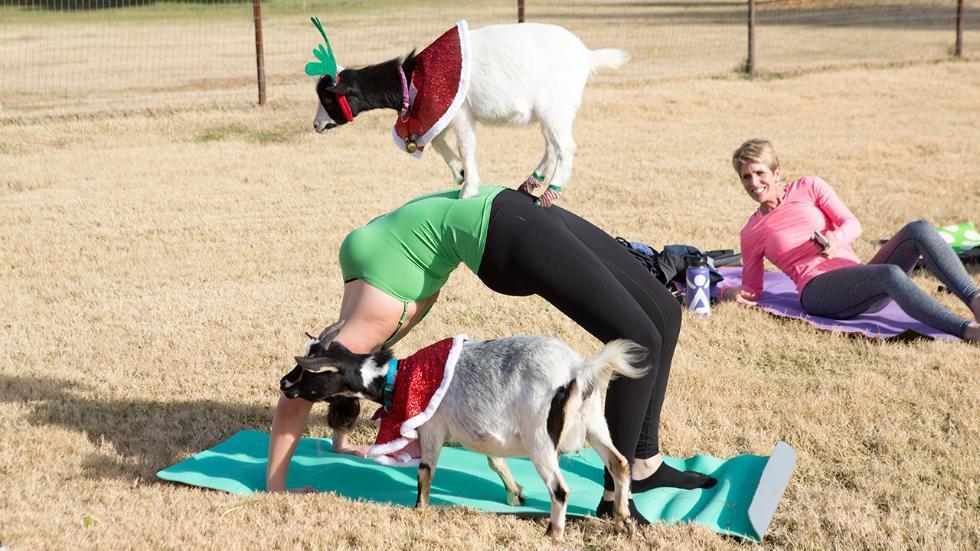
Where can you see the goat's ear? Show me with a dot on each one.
(316, 365)
(328, 334)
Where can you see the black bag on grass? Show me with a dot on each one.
(671, 264)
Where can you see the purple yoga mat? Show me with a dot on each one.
(780, 298)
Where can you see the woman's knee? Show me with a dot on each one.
(891, 274)
(650, 338)
(920, 228)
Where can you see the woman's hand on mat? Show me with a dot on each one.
(735, 294)
(351, 449)
(341, 444)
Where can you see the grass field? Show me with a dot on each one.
(160, 265)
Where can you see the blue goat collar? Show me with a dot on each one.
(389, 391)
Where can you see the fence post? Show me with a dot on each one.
(520, 11)
(750, 59)
(259, 51)
(958, 52)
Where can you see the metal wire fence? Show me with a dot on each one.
(65, 56)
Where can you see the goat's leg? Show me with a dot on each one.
(448, 155)
(431, 443)
(544, 456)
(465, 127)
(515, 494)
(558, 133)
(545, 170)
(597, 435)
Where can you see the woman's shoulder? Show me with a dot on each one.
(808, 182)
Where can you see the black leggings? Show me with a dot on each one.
(592, 279)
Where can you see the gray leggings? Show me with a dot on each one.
(846, 292)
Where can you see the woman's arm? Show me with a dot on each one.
(288, 424)
(847, 227)
(370, 317)
(753, 255)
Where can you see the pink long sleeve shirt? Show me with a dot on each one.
(783, 235)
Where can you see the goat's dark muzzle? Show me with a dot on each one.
(289, 384)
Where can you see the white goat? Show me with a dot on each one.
(519, 74)
(507, 397)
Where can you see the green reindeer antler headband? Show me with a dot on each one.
(326, 63)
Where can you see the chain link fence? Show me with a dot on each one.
(76, 56)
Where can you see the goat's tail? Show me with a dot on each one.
(609, 57)
(618, 358)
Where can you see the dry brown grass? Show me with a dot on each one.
(158, 271)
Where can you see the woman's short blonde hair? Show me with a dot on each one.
(756, 150)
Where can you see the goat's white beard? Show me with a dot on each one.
(322, 119)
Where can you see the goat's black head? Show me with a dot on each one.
(333, 105)
(355, 91)
(326, 374)
(328, 369)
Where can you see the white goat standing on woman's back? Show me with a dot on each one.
(519, 74)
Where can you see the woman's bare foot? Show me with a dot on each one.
(972, 332)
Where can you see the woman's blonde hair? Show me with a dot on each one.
(756, 150)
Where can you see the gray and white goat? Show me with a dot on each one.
(514, 396)
(520, 73)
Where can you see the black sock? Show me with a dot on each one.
(605, 509)
(669, 477)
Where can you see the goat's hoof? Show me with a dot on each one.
(553, 531)
(459, 173)
(466, 193)
(626, 527)
(516, 500)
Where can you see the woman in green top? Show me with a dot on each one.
(410, 252)
(395, 265)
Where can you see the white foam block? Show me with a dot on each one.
(775, 477)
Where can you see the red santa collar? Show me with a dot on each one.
(438, 88)
(342, 101)
(420, 385)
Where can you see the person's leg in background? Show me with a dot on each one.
(920, 238)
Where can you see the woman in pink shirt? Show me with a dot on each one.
(806, 231)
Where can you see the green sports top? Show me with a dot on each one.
(410, 252)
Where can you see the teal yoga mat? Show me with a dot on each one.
(742, 504)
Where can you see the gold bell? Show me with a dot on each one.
(410, 146)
